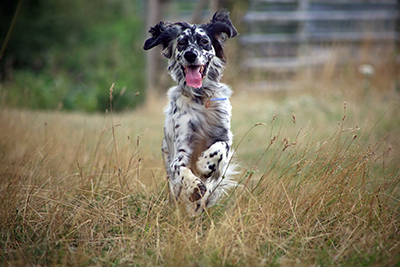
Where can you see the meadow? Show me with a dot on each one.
(319, 185)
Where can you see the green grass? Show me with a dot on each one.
(320, 189)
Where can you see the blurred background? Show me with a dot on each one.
(64, 55)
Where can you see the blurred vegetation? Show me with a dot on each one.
(67, 53)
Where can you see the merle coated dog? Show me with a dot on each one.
(197, 137)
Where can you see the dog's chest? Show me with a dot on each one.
(196, 131)
(196, 118)
(192, 123)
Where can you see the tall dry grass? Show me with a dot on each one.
(319, 186)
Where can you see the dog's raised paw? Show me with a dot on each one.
(210, 160)
(194, 187)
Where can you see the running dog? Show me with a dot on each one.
(197, 137)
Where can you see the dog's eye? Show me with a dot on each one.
(204, 41)
(181, 42)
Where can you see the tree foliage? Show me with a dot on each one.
(67, 53)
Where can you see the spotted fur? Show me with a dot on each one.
(197, 137)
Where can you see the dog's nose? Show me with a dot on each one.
(190, 56)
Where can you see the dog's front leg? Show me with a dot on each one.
(182, 178)
(175, 188)
(212, 162)
(185, 184)
(166, 157)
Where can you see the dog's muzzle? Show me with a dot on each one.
(194, 74)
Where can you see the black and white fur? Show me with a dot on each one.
(197, 136)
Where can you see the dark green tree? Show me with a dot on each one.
(67, 53)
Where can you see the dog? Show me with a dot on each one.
(197, 138)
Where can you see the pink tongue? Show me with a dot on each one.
(193, 77)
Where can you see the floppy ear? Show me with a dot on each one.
(219, 29)
(221, 23)
(161, 34)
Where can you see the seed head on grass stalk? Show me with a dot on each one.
(118, 166)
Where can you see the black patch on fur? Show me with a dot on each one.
(220, 158)
(180, 157)
(227, 148)
(193, 126)
(211, 167)
(220, 134)
(214, 153)
(190, 138)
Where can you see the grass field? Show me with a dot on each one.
(319, 173)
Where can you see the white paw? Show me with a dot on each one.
(212, 159)
(192, 187)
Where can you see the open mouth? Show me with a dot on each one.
(194, 75)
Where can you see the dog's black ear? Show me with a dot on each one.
(221, 26)
(219, 29)
(221, 23)
(161, 34)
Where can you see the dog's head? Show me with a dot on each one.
(195, 52)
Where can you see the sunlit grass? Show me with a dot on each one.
(319, 186)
